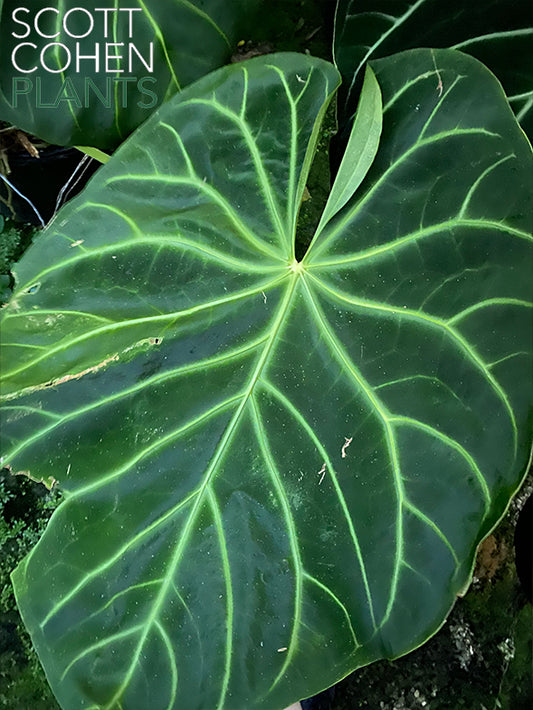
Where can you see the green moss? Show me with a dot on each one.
(24, 686)
(516, 690)
(14, 239)
(25, 508)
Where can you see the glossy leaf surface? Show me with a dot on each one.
(275, 472)
(80, 73)
(497, 32)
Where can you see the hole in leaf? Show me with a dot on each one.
(33, 289)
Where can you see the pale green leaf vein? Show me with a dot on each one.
(168, 318)
(385, 418)
(264, 183)
(400, 242)
(99, 645)
(218, 199)
(172, 662)
(433, 322)
(118, 556)
(161, 39)
(478, 181)
(433, 526)
(337, 601)
(210, 473)
(157, 379)
(302, 421)
(293, 155)
(209, 20)
(351, 212)
(398, 21)
(276, 479)
(453, 444)
(230, 604)
(489, 302)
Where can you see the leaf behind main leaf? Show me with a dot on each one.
(124, 62)
(497, 32)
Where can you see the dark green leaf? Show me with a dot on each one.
(274, 472)
(145, 52)
(497, 32)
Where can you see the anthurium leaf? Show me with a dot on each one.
(274, 471)
(76, 73)
(360, 151)
(497, 32)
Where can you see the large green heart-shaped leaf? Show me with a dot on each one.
(142, 53)
(275, 471)
(497, 32)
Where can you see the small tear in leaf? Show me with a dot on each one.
(323, 472)
(280, 650)
(77, 244)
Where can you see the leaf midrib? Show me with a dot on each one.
(205, 490)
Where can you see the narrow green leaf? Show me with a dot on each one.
(94, 153)
(360, 151)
